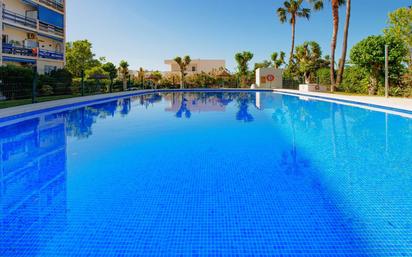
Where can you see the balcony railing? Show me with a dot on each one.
(51, 55)
(54, 4)
(15, 50)
(51, 29)
(19, 19)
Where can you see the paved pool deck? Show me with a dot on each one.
(376, 101)
(392, 102)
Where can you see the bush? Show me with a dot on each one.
(355, 80)
(60, 81)
(46, 90)
(369, 54)
(92, 86)
(323, 75)
(200, 80)
(16, 82)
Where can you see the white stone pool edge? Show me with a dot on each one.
(397, 103)
(69, 102)
(392, 102)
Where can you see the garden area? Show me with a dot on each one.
(362, 72)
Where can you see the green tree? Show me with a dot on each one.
(111, 70)
(140, 75)
(369, 54)
(79, 57)
(243, 60)
(291, 10)
(21, 77)
(124, 73)
(96, 73)
(278, 59)
(308, 59)
(183, 63)
(264, 64)
(318, 5)
(355, 80)
(155, 77)
(400, 26)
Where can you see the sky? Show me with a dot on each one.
(146, 32)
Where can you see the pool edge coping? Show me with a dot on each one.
(357, 102)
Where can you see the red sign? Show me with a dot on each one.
(270, 78)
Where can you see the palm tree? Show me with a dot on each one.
(292, 9)
(183, 63)
(308, 59)
(318, 5)
(278, 59)
(140, 75)
(243, 60)
(342, 62)
(124, 72)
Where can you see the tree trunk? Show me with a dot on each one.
(335, 12)
(124, 84)
(345, 44)
(182, 77)
(293, 41)
(373, 85)
(307, 78)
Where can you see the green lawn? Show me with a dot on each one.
(12, 103)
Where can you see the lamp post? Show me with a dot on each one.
(386, 71)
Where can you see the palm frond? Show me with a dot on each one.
(305, 13)
(282, 15)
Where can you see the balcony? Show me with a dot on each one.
(51, 29)
(53, 4)
(19, 19)
(51, 55)
(16, 50)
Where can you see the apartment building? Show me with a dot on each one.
(33, 33)
(197, 66)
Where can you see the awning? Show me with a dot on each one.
(51, 17)
(19, 60)
(30, 2)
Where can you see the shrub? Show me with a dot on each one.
(60, 81)
(355, 80)
(323, 75)
(369, 54)
(46, 90)
(17, 81)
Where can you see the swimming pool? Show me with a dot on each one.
(207, 174)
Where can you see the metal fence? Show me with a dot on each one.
(29, 85)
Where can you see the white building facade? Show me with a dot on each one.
(33, 34)
(269, 78)
(197, 66)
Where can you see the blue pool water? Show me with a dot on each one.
(207, 174)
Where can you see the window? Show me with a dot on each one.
(51, 17)
(194, 69)
(5, 39)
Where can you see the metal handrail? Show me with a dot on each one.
(19, 19)
(54, 4)
(51, 55)
(15, 50)
(51, 29)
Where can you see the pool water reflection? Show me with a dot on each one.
(206, 174)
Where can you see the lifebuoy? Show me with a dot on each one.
(270, 77)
